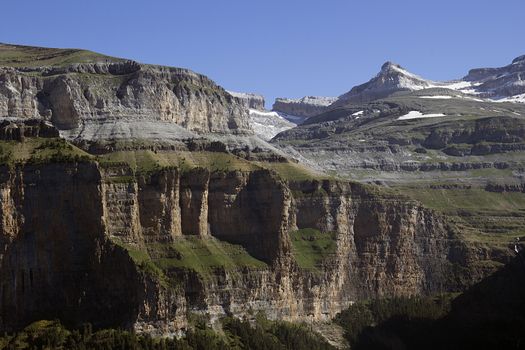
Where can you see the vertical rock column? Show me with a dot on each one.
(194, 187)
(121, 211)
(159, 202)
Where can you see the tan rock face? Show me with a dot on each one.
(59, 224)
(194, 202)
(82, 96)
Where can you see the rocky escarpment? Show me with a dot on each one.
(499, 82)
(107, 100)
(250, 101)
(305, 107)
(55, 259)
(80, 241)
(19, 130)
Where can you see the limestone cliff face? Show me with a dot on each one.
(63, 228)
(304, 108)
(393, 247)
(55, 260)
(249, 100)
(83, 98)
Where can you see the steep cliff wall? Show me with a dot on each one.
(55, 260)
(120, 98)
(305, 107)
(79, 241)
(252, 101)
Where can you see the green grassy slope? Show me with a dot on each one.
(482, 216)
(28, 56)
(311, 247)
(201, 255)
(38, 150)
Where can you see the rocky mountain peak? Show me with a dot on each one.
(390, 79)
(519, 59)
(390, 66)
(401, 76)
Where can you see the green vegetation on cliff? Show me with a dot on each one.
(38, 150)
(201, 255)
(191, 253)
(311, 247)
(147, 161)
(142, 161)
(494, 218)
(29, 56)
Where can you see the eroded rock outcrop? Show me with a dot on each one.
(19, 130)
(79, 99)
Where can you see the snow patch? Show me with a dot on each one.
(516, 98)
(398, 69)
(448, 97)
(456, 85)
(358, 113)
(267, 124)
(437, 97)
(418, 114)
(264, 113)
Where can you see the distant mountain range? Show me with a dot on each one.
(504, 84)
(499, 84)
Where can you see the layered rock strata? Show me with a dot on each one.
(305, 107)
(77, 242)
(249, 100)
(121, 100)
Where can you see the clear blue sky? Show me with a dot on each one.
(280, 48)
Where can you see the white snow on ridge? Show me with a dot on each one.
(448, 97)
(437, 97)
(267, 124)
(358, 113)
(398, 69)
(418, 114)
(456, 85)
(414, 83)
(264, 113)
(403, 79)
(516, 98)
